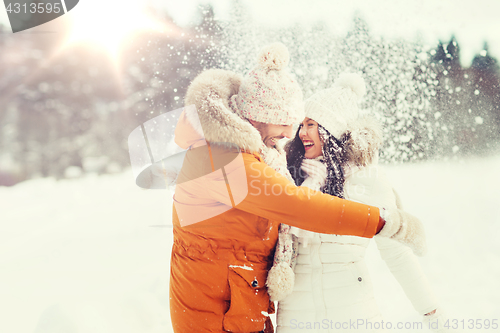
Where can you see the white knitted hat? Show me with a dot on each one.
(336, 108)
(268, 93)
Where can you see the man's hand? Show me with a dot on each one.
(381, 223)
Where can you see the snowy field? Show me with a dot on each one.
(92, 255)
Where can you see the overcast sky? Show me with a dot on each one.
(472, 21)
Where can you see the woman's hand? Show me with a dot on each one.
(435, 321)
(404, 228)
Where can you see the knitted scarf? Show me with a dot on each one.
(287, 245)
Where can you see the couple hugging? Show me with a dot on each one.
(302, 245)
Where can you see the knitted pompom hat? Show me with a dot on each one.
(336, 108)
(268, 93)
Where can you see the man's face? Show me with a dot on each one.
(271, 133)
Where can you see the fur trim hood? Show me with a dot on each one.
(210, 93)
(364, 138)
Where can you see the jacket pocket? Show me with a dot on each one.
(249, 304)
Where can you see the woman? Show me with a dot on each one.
(336, 152)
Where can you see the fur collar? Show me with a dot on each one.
(210, 93)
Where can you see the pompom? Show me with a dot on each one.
(353, 81)
(273, 57)
(280, 281)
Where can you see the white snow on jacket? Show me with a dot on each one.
(332, 284)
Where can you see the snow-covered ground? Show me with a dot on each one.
(92, 254)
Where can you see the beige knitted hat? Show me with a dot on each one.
(336, 108)
(268, 93)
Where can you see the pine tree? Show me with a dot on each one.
(485, 77)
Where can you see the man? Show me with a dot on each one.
(234, 191)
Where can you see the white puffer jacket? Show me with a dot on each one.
(332, 284)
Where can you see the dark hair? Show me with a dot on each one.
(333, 157)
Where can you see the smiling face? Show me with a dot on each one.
(271, 133)
(309, 136)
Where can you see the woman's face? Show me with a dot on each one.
(309, 136)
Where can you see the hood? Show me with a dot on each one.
(212, 117)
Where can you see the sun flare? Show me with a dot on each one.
(109, 23)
